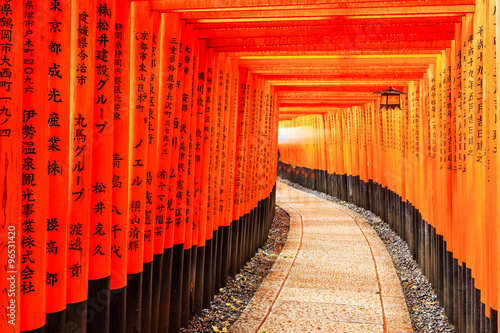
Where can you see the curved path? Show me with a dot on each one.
(333, 275)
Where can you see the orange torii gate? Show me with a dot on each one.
(139, 144)
(428, 168)
(127, 167)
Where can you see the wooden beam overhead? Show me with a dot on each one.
(316, 110)
(322, 95)
(231, 5)
(326, 30)
(346, 52)
(335, 39)
(331, 61)
(364, 88)
(322, 72)
(324, 14)
(299, 110)
(344, 77)
(323, 55)
(338, 22)
(398, 45)
(312, 102)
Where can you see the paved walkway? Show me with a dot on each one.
(333, 275)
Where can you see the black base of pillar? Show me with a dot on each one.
(56, 322)
(493, 321)
(192, 279)
(98, 301)
(207, 279)
(185, 289)
(118, 311)
(176, 291)
(76, 317)
(134, 302)
(225, 254)
(233, 267)
(157, 281)
(199, 282)
(166, 284)
(147, 296)
(215, 262)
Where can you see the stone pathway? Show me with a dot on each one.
(333, 275)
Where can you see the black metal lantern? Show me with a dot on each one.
(390, 98)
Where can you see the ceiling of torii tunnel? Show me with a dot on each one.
(323, 55)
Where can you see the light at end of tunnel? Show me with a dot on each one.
(295, 135)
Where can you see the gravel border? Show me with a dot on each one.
(425, 313)
(228, 305)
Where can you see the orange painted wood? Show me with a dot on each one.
(120, 168)
(469, 143)
(169, 58)
(358, 11)
(361, 78)
(138, 145)
(240, 144)
(80, 148)
(191, 228)
(269, 143)
(331, 88)
(250, 171)
(250, 86)
(325, 21)
(202, 146)
(383, 45)
(496, 20)
(232, 138)
(479, 149)
(335, 60)
(152, 139)
(352, 29)
(413, 50)
(225, 162)
(34, 200)
(178, 169)
(353, 39)
(370, 139)
(102, 150)
(226, 4)
(460, 127)
(213, 165)
(447, 147)
(453, 151)
(258, 165)
(490, 69)
(10, 163)
(362, 144)
(57, 163)
(206, 213)
(218, 105)
(319, 73)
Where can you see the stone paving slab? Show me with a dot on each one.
(333, 275)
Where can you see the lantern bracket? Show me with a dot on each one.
(390, 91)
(390, 98)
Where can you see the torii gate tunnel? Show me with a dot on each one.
(139, 147)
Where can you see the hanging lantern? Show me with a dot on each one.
(390, 98)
